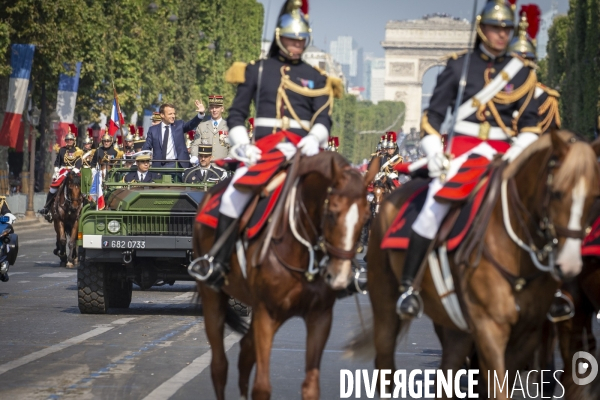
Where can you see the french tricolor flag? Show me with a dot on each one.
(21, 59)
(65, 102)
(116, 118)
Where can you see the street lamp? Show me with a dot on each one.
(35, 120)
(96, 132)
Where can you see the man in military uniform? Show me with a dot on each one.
(128, 149)
(4, 264)
(303, 125)
(389, 159)
(485, 124)
(523, 46)
(106, 153)
(214, 131)
(142, 174)
(68, 158)
(204, 171)
(86, 165)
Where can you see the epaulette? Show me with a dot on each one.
(120, 154)
(236, 74)
(551, 92)
(56, 147)
(337, 86)
(78, 152)
(454, 55)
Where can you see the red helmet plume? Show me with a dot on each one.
(191, 135)
(533, 13)
(304, 7)
(140, 130)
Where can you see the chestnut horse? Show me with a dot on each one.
(65, 213)
(319, 228)
(504, 290)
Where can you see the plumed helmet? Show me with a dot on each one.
(292, 23)
(88, 140)
(524, 43)
(71, 133)
(106, 136)
(69, 136)
(496, 13)
(129, 138)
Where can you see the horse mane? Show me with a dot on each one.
(75, 178)
(579, 162)
(323, 163)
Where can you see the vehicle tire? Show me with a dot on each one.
(239, 307)
(91, 288)
(119, 293)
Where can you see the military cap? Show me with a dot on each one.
(143, 155)
(205, 150)
(215, 100)
(156, 117)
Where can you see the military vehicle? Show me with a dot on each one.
(143, 236)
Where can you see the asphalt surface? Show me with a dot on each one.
(157, 349)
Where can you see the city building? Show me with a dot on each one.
(374, 79)
(322, 60)
(345, 51)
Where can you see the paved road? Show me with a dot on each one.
(157, 349)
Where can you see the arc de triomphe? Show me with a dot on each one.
(411, 48)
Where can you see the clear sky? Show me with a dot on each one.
(365, 20)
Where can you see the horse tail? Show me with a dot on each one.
(236, 322)
(361, 347)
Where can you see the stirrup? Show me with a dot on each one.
(205, 260)
(409, 292)
(359, 280)
(560, 295)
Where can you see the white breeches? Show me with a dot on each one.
(233, 201)
(432, 215)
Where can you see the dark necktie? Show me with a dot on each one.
(165, 142)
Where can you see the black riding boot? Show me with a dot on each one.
(46, 210)
(410, 304)
(213, 272)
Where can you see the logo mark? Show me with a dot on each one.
(582, 361)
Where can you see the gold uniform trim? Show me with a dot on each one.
(549, 112)
(2, 201)
(426, 126)
(236, 74)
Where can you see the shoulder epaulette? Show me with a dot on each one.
(454, 55)
(120, 154)
(78, 152)
(337, 86)
(236, 74)
(56, 148)
(551, 92)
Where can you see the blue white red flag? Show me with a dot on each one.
(96, 189)
(65, 102)
(116, 117)
(21, 59)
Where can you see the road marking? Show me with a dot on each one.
(17, 273)
(37, 241)
(177, 381)
(59, 275)
(57, 347)
(185, 296)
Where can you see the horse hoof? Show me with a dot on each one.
(55, 252)
(70, 265)
(63, 264)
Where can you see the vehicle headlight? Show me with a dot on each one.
(114, 226)
(100, 226)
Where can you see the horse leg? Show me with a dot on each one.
(264, 328)
(246, 361)
(72, 245)
(214, 307)
(456, 347)
(318, 326)
(491, 339)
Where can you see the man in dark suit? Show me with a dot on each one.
(142, 174)
(167, 139)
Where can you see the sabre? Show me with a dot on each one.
(463, 80)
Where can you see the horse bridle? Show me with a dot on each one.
(67, 199)
(546, 229)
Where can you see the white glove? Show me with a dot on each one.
(11, 217)
(437, 164)
(76, 170)
(56, 169)
(246, 153)
(55, 175)
(194, 160)
(522, 141)
(393, 175)
(309, 145)
(288, 149)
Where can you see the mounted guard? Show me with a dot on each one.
(67, 159)
(499, 109)
(294, 103)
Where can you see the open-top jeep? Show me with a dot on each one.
(142, 236)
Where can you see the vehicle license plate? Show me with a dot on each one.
(123, 244)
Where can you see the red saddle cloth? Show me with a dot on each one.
(458, 189)
(591, 244)
(209, 214)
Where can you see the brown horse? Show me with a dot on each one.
(501, 289)
(324, 213)
(65, 213)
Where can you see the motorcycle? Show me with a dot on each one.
(9, 246)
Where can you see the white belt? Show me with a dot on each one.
(473, 129)
(277, 123)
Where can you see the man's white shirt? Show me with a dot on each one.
(170, 153)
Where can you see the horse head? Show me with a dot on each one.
(345, 211)
(73, 185)
(557, 179)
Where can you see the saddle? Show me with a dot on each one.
(254, 219)
(466, 191)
